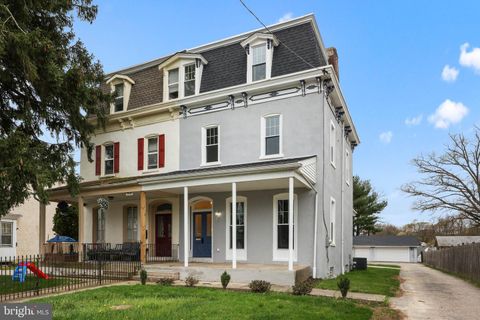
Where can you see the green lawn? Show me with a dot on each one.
(7, 285)
(384, 265)
(159, 302)
(373, 280)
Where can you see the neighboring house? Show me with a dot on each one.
(242, 120)
(387, 248)
(20, 229)
(452, 241)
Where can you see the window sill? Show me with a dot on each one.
(271, 156)
(108, 176)
(148, 171)
(211, 164)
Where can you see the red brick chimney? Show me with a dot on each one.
(333, 59)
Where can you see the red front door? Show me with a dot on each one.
(163, 234)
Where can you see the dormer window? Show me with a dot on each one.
(259, 60)
(182, 74)
(119, 97)
(259, 49)
(173, 84)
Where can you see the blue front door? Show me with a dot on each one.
(202, 234)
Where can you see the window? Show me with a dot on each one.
(132, 226)
(211, 144)
(189, 83)
(118, 97)
(152, 153)
(173, 84)
(281, 226)
(332, 143)
(101, 225)
(347, 167)
(109, 159)
(331, 231)
(240, 225)
(259, 62)
(271, 136)
(6, 234)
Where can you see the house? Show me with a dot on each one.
(452, 241)
(20, 234)
(386, 248)
(257, 120)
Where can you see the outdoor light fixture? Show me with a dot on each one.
(218, 214)
(129, 194)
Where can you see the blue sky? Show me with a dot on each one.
(392, 55)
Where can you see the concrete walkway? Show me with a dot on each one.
(432, 294)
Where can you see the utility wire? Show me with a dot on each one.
(266, 28)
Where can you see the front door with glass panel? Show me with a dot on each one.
(163, 227)
(202, 234)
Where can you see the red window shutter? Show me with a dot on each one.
(140, 154)
(161, 151)
(116, 157)
(98, 160)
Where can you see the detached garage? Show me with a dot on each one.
(386, 248)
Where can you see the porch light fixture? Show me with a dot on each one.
(218, 214)
(129, 194)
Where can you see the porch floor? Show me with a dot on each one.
(244, 273)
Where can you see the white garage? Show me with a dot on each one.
(386, 248)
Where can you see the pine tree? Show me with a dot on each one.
(368, 205)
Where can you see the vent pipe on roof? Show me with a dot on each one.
(333, 60)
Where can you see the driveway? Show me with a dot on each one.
(431, 294)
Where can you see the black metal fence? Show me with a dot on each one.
(162, 253)
(29, 276)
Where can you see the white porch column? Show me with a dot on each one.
(290, 224)
(185, 226)
(234, 225)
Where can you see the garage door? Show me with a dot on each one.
(388, 254)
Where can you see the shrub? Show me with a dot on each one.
(225, 279)
(191, 281)
(343, 284)
(303, 288)
(260, 286)
(165, 281)
(143, 276)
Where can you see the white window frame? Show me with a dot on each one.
(180, 64)
(204, 145)
(263, 133)
(104, 158)
(283, 254)
(256, 40)
(347, 167)
(118, 97)
(12, 234)
(146, 152)
(264, 45)
(134, 230)
(241, 253)
(101, 213)
(179, 83)
(331, 228)
(332, 136)
(194, 79)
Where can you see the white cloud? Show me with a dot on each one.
(449, 112)
(287, 16)
(470, 59)
(386, 137)
(449, 74)
(415, 121)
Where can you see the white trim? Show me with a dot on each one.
(180, 64)
(103, 157)
(146, 153)
(120, 77)
(241, 253)
(283, 254)
(332, 225)
(204, 146)
(263, 137)
(332, 145)
(186, 233)
(181, 56)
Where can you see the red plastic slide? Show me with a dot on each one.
(32, 267)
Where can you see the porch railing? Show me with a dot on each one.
(128, 251)
(162, 253)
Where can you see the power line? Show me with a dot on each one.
(266, 28)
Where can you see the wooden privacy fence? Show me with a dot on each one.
(461, 260)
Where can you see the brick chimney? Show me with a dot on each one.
(333, 59)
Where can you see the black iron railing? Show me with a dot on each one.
(34, 275)
(162, 253)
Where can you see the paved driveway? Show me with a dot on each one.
(431, 294)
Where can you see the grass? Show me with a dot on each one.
(162, 302)
(7, 285)
(373, 280)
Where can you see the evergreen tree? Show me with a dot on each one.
(368, 205)
(65, 220)
(49, 90)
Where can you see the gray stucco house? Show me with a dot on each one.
(257, 119)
